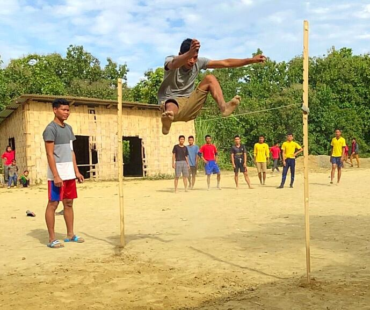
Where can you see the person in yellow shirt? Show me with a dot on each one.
(261, 156)
(338, 145)
(290, 150)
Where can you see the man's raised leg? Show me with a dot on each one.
(210, 83)
(168, 116)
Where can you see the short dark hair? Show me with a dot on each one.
(25, 171)
(7, 147)
(181, 136)
(236, 136)
(261, 136)
(14, 160)
(353, 138)
(207, 136)
(59, 101)
(185, 46)
(289, 134)
(337, 129)
(191, 137)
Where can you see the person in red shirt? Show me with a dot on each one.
(7, 157)
(276, 154)
(208, 153)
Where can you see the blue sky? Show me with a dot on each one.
(142, 32)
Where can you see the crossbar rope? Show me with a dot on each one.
(249, 113)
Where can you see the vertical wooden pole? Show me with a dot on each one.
(305, 143)
(120, 163)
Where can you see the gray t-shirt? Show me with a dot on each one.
(179, 82)
(12, 170)
(63, 138)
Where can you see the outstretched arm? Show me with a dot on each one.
(234, 63)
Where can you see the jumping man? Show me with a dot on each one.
(193, 161)
(261, 157)
(290, 150)
(62, 172)
(208, 152)
(239, 161)
(338, 145)
(179, 101)
(180, 162)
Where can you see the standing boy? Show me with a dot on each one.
(290, 150)
(193, 161)
(275, 152)
(13, 174)
(239, 161)
(338, 145)
(62, 172)
(354, 152)
(180, 162)
(261, 156)
(208, 153)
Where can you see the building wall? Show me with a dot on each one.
(102, 127)
(14, 127)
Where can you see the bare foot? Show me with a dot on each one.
(251, 188)
(231, 106)
(167, 119)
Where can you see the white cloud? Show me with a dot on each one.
(247, 2)
(364, 13)
(142, 33)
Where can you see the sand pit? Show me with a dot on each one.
(223, 249)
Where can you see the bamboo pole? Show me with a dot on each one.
(305, 150)
(120, 163)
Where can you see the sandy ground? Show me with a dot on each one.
(223, 249)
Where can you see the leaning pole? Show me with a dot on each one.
(305, 150)
(120, 163)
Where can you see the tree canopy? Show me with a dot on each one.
(77, 74)
(339, 92)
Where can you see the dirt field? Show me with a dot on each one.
(223, 249)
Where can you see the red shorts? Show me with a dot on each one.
(67, 191)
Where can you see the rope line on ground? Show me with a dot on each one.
(248, 113)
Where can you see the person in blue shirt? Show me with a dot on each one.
(193, 160)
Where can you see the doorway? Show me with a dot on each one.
(133, 157)
(86, 156)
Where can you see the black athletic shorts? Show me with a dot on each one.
(239, 165)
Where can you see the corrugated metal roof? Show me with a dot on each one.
(16, 103)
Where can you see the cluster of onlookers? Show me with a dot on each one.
(11, 170)
(185, 159)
